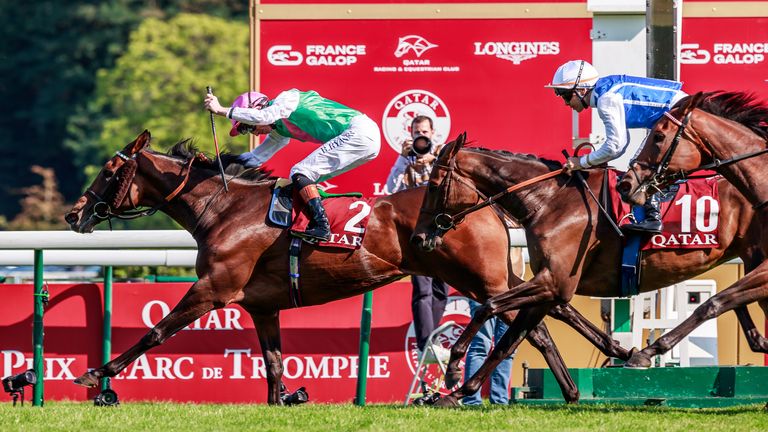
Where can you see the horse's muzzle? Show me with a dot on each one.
(426, 243)
(631, 194)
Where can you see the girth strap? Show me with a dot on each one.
(293, 271)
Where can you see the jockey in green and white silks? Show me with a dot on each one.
(348, 139)
(622, 102)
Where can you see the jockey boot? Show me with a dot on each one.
(319, 229)
(652, 222)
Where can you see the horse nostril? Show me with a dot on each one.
(71, 218)
(418, 239)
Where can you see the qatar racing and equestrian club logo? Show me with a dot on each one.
(456, 310)
(403, 108)
(414, 43)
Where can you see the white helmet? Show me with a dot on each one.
(574, 74)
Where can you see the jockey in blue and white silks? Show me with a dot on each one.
(622, 102)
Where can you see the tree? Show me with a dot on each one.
(159, 84)
(42, 207)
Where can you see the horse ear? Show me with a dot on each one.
(139, 144)
(458, 144)
(693, 102)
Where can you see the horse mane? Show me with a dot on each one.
(186, 149)
(551, 164)
(741, 107)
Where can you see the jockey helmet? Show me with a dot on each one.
(574, 74)
(249, 99)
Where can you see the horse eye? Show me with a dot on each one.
(108, 174)
(658, 137)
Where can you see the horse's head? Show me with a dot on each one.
(448, 193)
(112, 191)
(673, 146)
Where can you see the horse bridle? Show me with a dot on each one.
(661, 178)
(103, 210)
(444, 221)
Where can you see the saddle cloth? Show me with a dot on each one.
(690, 212)
(348, 216)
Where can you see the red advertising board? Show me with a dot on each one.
(485, 77)
(216, 359)
(735, 57)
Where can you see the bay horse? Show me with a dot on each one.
(726, 132)
(243, 260)
(572, 246)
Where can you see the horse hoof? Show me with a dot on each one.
(447, 402)
(639, 360)
(88, 379)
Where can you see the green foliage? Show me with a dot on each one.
(159, 84)
(50, 53)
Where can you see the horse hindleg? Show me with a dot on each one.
(540, 338)
(459, 349)
(607, 345)
(195, 303)
(525, 321)
(756, 341)
(750, 288)
(268, 329)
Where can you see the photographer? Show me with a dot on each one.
(412, 169)
(413, 166)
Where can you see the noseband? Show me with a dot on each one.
(122, 181)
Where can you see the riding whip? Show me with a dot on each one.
(613, 225)
(216, 145)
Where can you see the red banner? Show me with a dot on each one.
(486, 77)
(217, 358)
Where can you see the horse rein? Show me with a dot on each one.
(660, 177)
(102, 210)
(444, 221)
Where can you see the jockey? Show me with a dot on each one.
(348, 139)
(622, 102)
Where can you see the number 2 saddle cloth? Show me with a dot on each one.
(348, 214)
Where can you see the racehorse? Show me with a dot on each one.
(572, 246)
(727, 132)
(243, 260)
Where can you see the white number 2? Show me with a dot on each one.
(701, 205)
(354, 220)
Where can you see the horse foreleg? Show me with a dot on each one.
(459, 349)
(540, 338)
(195, 303)
(606, 344)
(268, 329)
(525, 321)
(750, 288)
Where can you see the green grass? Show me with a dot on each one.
(164, 416)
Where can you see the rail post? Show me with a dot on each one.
(37, 330)
(106, 341)
(365, 342)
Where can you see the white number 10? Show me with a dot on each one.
(701, 225)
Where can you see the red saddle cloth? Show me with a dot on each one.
(690, 212)
(348, 217)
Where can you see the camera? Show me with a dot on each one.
(421, 146)
(15, 383)
(298, 397)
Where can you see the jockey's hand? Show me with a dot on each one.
(212, 104)
(573, 164)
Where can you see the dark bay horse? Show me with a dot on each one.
(242, 260)
(727, 132)
(572, 247)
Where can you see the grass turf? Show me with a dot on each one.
(81, 416)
